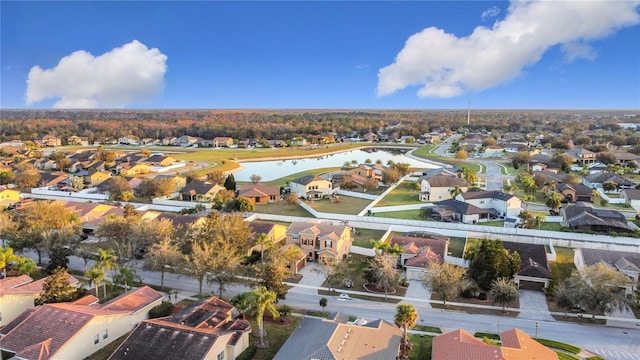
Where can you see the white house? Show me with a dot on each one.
(311, 187)
(506, 205)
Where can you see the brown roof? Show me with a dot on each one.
(258, 190)
(133, 300)
(437, 244)
(424, 258)
(446, 181)
(516, 345)
(319, 229)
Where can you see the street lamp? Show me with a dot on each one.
(537, 330)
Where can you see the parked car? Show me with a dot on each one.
(344, 297)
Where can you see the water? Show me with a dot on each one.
(271, 170)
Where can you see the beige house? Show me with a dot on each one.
(17, 295)
(222, 141)
(322, 242)
(203, 330)
(134, 169)
(275, 232)
(78, 329)
(437, 184)
(311, 187)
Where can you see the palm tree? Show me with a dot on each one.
(380, 246)
(540, 218)
(126, 196)
(242, 303)
(25, 265)
(554, 200)
(127, 275)
(262, 300)
(595, 196)
(455, 191)
(527, 199)
(405, 318)
(95, 276)
(106, 260)
(265, 242)
(508, 187)
(6, 257)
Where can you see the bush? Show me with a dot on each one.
(491, 336)
(161, 310)
(482, 296)
(469, 291)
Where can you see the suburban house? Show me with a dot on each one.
(275, 232)
(130, 169)
(321, 241)
(583, 216)
(437, 184)
(78, 329)
(8, 196)
(575, 192)
(597, 180)
(77, 140)
(453, 210)
(534, 271)
(201, 331)
(197, 190)
(516, 345)
(186, 140)
(179, 180)
(259, 193)
(311, 187)
(48, 140)
(128, 140)
(581, 156)
(222, 141)
(419, 252)
(45, 164)
(182, 220)
(505, 205)
(631, 197)
(170, 141)
(317, 338)
(159, 160)
(353, 182)
(53, 179)
(493, 151)
(625, 262)
(18, 293)
(624, 158)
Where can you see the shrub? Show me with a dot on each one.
(491, 336)
(469, 291)
(161, 310)
(482, 296)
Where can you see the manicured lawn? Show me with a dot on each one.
(282, 208)
(342, 205)
(105, 352)
(277, 334)
(498, 223)
(421, 347)
(551, 226)
(401, 195)
(456, 246)
(426, 151)
(362, 237)
(404, 214)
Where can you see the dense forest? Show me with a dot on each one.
(285, 124)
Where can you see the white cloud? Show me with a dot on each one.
(490, 13)
(446, 65)
(124, 75)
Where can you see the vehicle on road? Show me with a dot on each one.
(344, 297)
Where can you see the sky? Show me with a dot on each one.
(320, 54)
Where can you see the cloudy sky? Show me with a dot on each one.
(321, 54)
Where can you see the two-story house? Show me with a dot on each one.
(311, 187)
(323, 242)
(222, 141)
(505, 205)
(438, 184)
(581, 156)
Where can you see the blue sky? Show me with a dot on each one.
(320, 55)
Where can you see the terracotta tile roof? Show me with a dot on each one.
(516, 345)
(319, 229)
(133, 300)
(424, 257)
(9, 283)
(258, 190)
(86, 300)
(437, 244)
(35, 287)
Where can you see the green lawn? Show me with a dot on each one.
(342, 205)
(277, 334)
(401, 195)
(456, 246)
(426, 151)
(362, 237)
(404, 214)
(284, 180)
(282, 208)
(421, 347)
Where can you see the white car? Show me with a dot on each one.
(344, 297)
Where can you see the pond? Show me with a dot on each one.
(275, 169)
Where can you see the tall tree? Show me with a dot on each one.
(197, 262)
(126, 276)
(7, 257)
(56, 288)
(334, 272)
(264, 241)
(118, 185)
(161, 256)
(491, 262)
(120, 231)
(382, 272)
(255, 178)
(106, 261)
(599, 288)
(503, 291)
(96, 277)
(445, 279)
(44, 225)
(554, 200)
(405, 318)
(242, 303)
(8, 227)
(217, 176)
(262, 301)
(230, 182)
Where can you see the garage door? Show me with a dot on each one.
(531, 285)
(413, 274)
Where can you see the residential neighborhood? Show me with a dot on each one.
(362, 231)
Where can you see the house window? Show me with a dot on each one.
(327, 244)
(220, 355)
(105, 334)
(96, 339)
(295, 237)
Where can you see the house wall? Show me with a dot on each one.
(9, 194)
(12, 305)
(82, 344)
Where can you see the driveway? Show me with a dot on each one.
(533, 306)
(417, 291)
(625, 313)
(311, 280)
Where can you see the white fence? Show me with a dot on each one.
(179, 204)
(86, 194)
(357, 194)
(398, 208)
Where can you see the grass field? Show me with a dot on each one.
(362, 237)
(403, 194)
(345, 205)
(456, 246)
(284, 180)
(282, 208)
(404, 214)
(277, 334)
